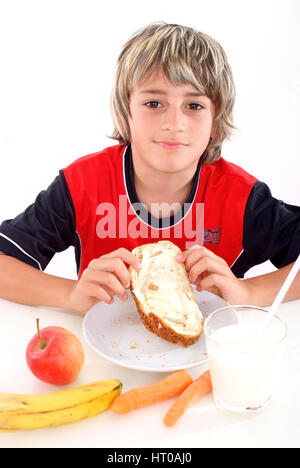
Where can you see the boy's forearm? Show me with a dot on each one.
(264, 289)
(24, 284)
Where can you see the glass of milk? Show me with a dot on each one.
(243, 369)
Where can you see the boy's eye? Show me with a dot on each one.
(152, 104)
(196, 106)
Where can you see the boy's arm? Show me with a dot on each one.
(24, 284)
(104, 278)
(271, 231)
(211, 273)
(263, 289)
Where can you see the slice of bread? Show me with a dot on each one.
(164, 296)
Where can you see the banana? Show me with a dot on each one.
(19, 412)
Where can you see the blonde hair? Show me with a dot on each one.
(186, 56)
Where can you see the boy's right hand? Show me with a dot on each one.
(104, 278)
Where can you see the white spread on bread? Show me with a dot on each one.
(161, 287)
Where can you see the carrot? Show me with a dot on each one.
(201, 386)
(169, 387)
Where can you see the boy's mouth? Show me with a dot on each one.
(171, 144)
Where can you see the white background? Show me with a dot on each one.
(57, 61)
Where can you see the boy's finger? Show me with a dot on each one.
(208, 265)
(196, 253)
(127, 257)
(184, 255)
(215, 284)
(110, 282)
(96, 291)
(211, 261)
(117, 266)
(213, 289)
(109, 278)
(192, 257)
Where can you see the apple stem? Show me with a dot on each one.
(43, 343)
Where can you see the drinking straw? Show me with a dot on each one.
(280, 296)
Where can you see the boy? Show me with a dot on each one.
(172, 105)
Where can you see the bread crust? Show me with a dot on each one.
(154, 323)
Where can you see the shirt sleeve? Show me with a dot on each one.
(271, 231)
(44, 228)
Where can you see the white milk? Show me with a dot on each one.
(243, 370)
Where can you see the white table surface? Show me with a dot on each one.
(201, 426)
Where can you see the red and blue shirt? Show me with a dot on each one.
(93, 205)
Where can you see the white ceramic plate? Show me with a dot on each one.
(116, 332)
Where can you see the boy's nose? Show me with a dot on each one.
(173, 120)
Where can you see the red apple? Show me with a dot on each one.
(55, 355)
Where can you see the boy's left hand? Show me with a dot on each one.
(209, 272)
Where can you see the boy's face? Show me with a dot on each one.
(164, 112)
